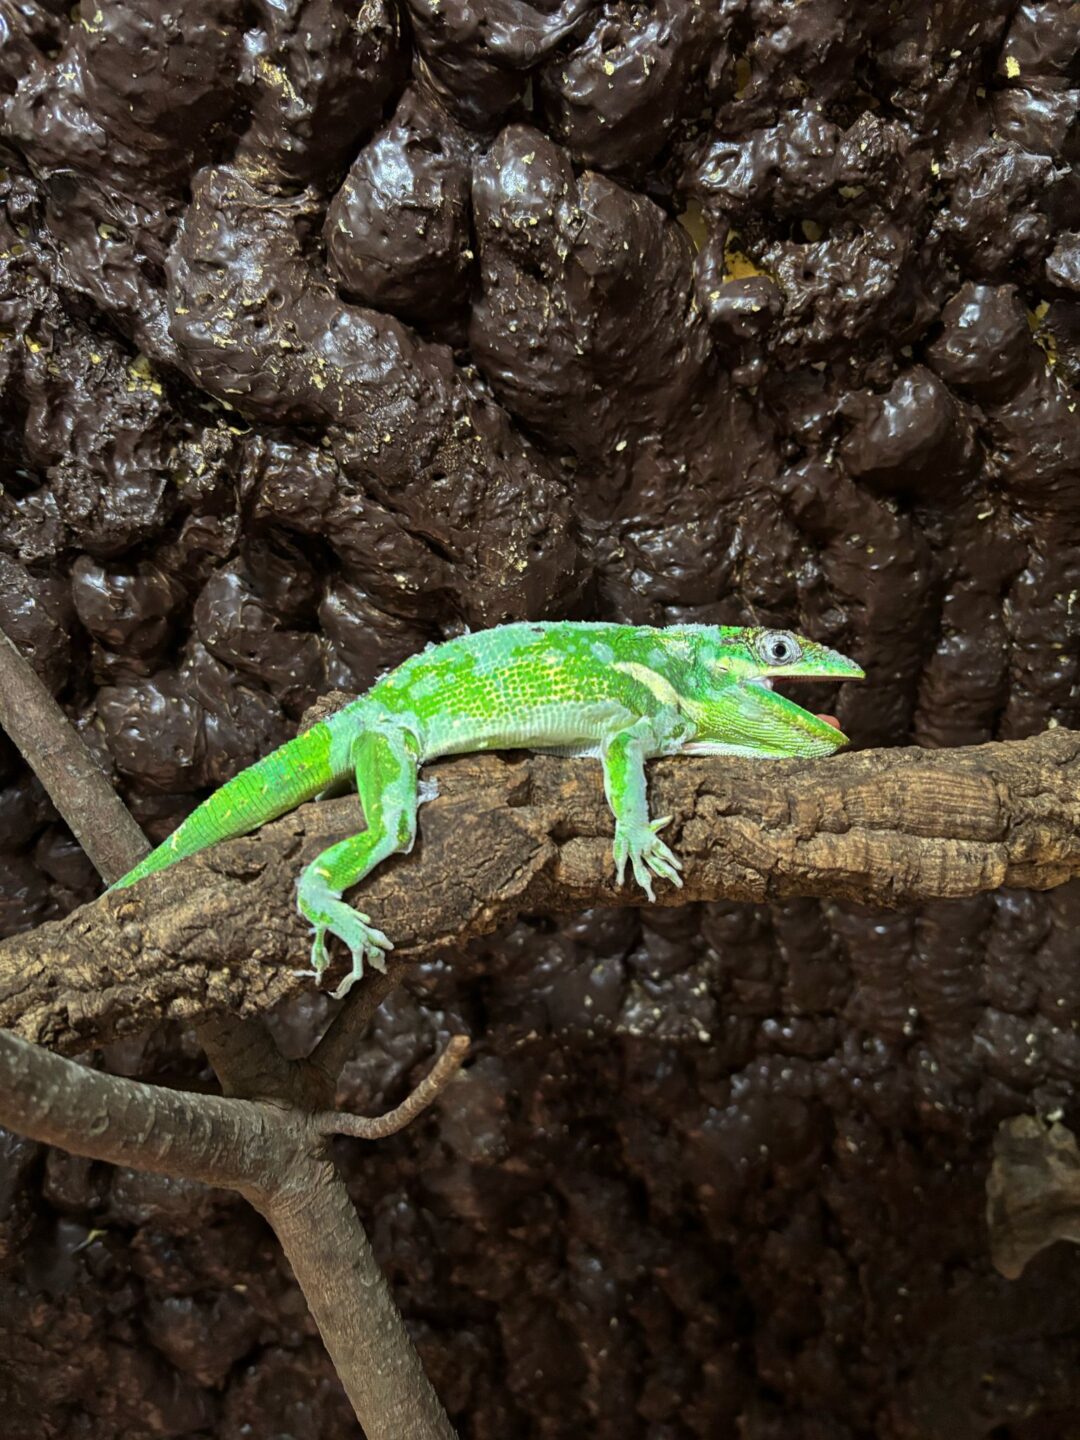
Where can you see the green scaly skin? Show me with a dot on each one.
(620, 693)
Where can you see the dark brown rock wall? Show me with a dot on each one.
(326, 330)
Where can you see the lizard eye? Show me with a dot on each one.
(777, 647)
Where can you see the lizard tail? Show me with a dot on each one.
(295, 772)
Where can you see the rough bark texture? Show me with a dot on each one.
(508, 837)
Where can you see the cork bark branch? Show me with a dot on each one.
(506, 836)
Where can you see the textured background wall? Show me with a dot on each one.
(328, 327)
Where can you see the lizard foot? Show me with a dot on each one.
(647, 854)
(334, 917)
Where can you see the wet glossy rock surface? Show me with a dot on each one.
(325, 332)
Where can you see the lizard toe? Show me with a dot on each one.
(647, 854)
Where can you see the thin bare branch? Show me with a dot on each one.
(276, 1157)
(377, 1127)
(338, 1043)
(361, 1327)
(238, 1144)
(248, 1063)
(76, 784)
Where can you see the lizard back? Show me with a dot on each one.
(533, 684)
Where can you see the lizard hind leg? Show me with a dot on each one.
(385, 762)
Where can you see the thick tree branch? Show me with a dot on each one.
(508, 836)
(503, 837)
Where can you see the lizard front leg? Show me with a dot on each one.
(623, 756)
(385, 761)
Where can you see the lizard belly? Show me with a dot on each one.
(573, 725)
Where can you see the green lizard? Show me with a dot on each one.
(619, 693)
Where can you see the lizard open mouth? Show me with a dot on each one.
(766, 682)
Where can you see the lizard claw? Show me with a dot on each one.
(372, 947)
(320, 956)
(647, 854)
(366, 944)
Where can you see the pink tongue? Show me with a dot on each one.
(830, 720)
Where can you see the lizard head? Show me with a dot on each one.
(737, 712)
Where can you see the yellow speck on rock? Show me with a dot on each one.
(694, 223)
(1042, 335)
(737, 264)
(1012, 66)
